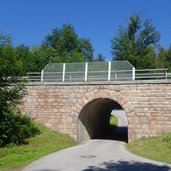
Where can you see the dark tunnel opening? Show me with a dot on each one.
(94, 121)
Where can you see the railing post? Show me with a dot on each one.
(166, 73)
(63, 73)
(42, 74)
(27, 77)
(109, 71)
(116, 75)
(86, 70)
(133, 73)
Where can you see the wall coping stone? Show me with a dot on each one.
(165, 81)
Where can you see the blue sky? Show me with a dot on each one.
(29, 21)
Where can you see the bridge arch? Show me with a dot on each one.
(101, 101)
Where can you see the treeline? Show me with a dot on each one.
(62, 45)
(138, 43)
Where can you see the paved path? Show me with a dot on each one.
(97, 155)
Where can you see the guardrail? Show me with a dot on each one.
(151, 74)
(33, 76)
(115, 75)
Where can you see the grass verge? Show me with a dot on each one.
(157, 148)
(46, 142)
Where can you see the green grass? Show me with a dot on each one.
(157, 148)
(46, 142)
(113, 122)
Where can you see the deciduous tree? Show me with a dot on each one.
(64, 45)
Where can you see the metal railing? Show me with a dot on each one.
(33, 76)
(152, 74)
(87, 71)
(115, 75)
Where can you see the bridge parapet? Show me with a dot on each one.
(86, 71)
(137, 75)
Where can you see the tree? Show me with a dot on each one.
(163, 59)
(10, 65)
(24, 55)
(100, 57)
(136, 43)
(38, 59)
(63, 45)
(14, 127)
(168, 58)
(5, 41)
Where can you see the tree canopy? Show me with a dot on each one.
(64, 45)
(100, 58)
(136, 43)
(61, 45)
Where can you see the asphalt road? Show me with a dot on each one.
(97, 155)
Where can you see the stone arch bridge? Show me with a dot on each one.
(82, 110)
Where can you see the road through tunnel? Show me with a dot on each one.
(94, 121)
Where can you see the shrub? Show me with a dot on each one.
(15, 128)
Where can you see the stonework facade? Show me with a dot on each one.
(148, 105)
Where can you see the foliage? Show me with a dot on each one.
(24, 56)
(46, 142)
(9, 65)
(5, 41)
(166, 138)
(100, 58)
(136, 43)
(113, 123)
(113, 120)
(14, 128)
(163, 59)
(63, 45)
(156, 148)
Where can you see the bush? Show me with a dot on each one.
(15, 128)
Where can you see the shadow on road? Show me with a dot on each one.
(47, 170)
(127, 166)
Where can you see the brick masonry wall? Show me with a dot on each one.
(148, 106)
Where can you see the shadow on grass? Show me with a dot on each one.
(127, 166)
